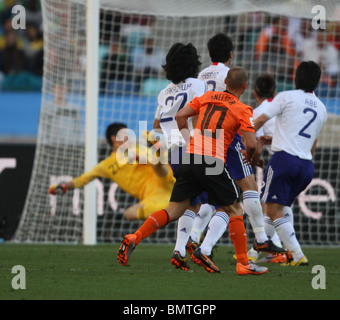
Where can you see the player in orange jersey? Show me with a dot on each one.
(221, 115)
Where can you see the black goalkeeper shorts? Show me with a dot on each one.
(193, 178)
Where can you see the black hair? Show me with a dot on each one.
(182, 62)
(112, 130)
(265, 86)
(220, 47)
(307, 76)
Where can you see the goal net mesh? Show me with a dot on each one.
(134, 39)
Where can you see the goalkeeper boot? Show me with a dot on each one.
(126, 248)
(203, 260)
(179, 262)
(191, 246)
(251, 268)
(269, 247)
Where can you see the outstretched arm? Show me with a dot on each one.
(260, 121)
(61, 188)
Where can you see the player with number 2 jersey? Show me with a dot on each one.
(300, 116)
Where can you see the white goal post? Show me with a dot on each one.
(102, 64)
(91, 124)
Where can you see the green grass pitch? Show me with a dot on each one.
(58, 272)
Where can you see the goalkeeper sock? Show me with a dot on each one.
(217, 226)
(184, 227)
(155, 221)
(238, 236)
(252, 207)
(201, 221)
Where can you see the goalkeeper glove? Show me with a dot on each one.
(58, 189)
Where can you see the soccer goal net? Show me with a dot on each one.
(269, 37)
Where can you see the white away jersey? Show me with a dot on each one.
(269, 126)
(299, 120)
(215, 76)
(171, 100)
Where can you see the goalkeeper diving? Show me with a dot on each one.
(151, 183)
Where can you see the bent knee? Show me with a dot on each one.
(248, 183)
(196, 208)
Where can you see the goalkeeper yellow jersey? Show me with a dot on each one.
(139, 180)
